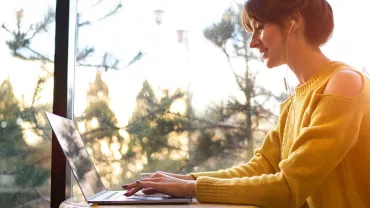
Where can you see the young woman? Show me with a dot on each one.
(318, 155)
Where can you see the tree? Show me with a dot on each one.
(156, 130)
(232, 124)
(100, 124)
(18, 159)
(33, 168)
(11, 135)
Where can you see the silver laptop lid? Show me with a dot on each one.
(77, 156)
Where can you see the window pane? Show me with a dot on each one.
(173, 86)
(155, 91)
(26, 89)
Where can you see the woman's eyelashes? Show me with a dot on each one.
(259, 28)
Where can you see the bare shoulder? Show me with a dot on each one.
(345, 82)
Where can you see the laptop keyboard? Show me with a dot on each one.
(110, 195)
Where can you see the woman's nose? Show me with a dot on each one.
(254, 42)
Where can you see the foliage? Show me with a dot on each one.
(159, 138)
(18, 159)
(156, 129)
(235, 121)
(105, 128)
(11, 135)
(30, 165)
(30, 175)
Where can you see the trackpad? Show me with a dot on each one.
(156, 195)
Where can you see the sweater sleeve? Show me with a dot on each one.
(264, 161)
(320, 147)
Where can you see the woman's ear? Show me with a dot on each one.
(297, 17)
(295, 21)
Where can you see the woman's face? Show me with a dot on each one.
(268, 38)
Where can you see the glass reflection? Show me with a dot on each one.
(76, 154)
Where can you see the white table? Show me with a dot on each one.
(79, 202)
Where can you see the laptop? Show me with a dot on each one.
(85, 172)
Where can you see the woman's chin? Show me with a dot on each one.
(271, 64)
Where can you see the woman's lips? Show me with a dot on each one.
(264, 53)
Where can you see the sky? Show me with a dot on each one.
(166, 63)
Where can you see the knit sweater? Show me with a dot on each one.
(318, 156)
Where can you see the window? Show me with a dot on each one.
(164, 85)
(26, 91)
(159, 89)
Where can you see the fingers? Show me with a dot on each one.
(163, 183)
(156, 177)
(135, 184)
(149, 187)
(130, 185)
(151, 184)
(150, 191)
(132, 191)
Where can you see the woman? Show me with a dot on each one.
(318, 154)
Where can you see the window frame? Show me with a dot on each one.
(63, 95)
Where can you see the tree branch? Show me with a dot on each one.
(5, 28)
(49, 18)
(99, 66)
(111, 13)
(240, 85)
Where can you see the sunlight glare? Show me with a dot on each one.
(105, 148)
(128, 174)
(175, 155)
(117, 170)
(124, 149)
(144, 159)
(94, 123)
(178, 107)
(125, 135)
(117, 155)
(139, 165)
(30, 137)
(114, 146)
(81, 127)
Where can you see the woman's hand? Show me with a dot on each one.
(179, 176)
(171, 184)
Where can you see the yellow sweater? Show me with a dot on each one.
(318, 156)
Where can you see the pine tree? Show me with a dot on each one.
(101, 125)
(232, 123)
(32, 166)
(155, 129)
(17, 159)
(11, 135)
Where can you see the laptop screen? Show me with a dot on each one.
(79, 160)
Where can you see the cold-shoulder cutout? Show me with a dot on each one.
(347, 83)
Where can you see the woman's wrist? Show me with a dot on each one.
(183, 177)
(191, 187)
(189, 177)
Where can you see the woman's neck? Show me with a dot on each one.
(307, 62)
